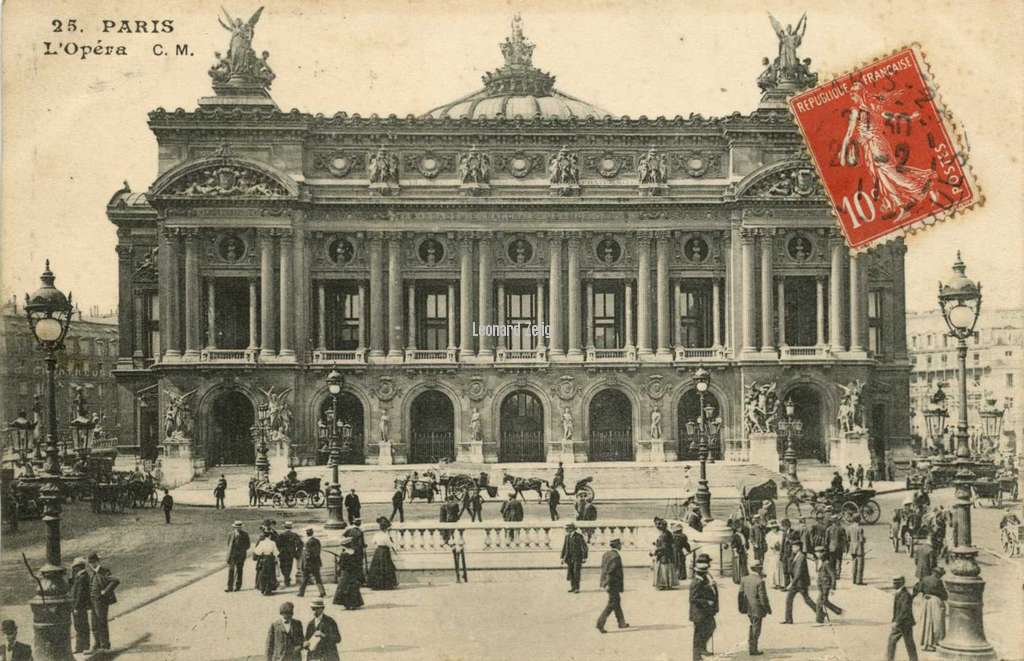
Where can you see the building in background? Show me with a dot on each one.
(88, 360)
(516, 275)
(995, 369)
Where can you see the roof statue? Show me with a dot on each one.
(786, 74)
(241, 73)
(518, 89)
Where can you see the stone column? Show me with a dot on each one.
(451, 316)
(127, 310)
(664, 246)
(411, 345)
(781, 305)
(835, 300)
(590, 314)
(321, 316)
(485, 296)
(856, 341)
(629, 314)
(254, 315)
(170, 320)
(465, 296)
(643, 294)
(211, 313)
(193, 297)
(573, 276)
(767, 303)
(377, 284)
(287, 296)
(502, 339)
(395, 322)
(820, 301)
(677, 296)
(555, 295)
(138, 319)
(266, 294)
(361, 346)
(748, 299)
(716, 312)
(541, 340)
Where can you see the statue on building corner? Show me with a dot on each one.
(475, 430)
(567, 425)
(850, 415)
(656, 424)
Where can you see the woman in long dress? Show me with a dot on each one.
(773, 568)
(350, 570)
(739, 546)
(933, 610)
(664, 557)
(383, 575)
(265, 555)
(681, 548)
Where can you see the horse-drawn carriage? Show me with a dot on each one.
(804, 502)
(753, 496)
(583, 489)
(291, 492)
(987, 489)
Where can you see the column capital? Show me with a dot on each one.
(190, 234)
(375, 236)
(555, 239)
(748, 234)
(661, 235)
(286, 234)
(124, 252)
(465, 237)
(766, 232)
(266, 233)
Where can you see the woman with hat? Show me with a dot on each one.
(933, 612)
(265, 555)
(773, 569)
(664, 557)
(349, 576)
(382, 574)
(681, 546)
(738, 544)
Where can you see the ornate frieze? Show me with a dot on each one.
(564, 172)
(226, 180)
(337, 163)
(700, 163)
(796, 182)
(430, 164)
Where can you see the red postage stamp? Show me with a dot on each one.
(887, 153)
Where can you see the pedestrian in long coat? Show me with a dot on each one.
(289, 549)
(265, 554)
(933, 612)
(285, 639)
(799, 581)
(858, 543)
(703, 605)
(664, 557)
(81, 603)
(826, 584)
(738, 544)
(902, 621)
(789, 536)
(924, 557)
(681, 546)
(613, 581)
(757, 539)
(355, 532)
(322, 635)
(753, 600)
(574, 554)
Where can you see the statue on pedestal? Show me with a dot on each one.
(655, 424)
(567, 425)
(475, 431)
(851, 414)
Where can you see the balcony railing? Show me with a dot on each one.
(804, 353)
(625, 355)
(431, 355)
(354, 356)
(228, 356)
(522, 356)
(699, 353)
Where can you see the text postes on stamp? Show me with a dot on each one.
(886, 151)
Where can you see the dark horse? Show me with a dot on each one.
(521, 484)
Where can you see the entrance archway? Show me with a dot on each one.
(522, 428)
(232, 416)
(689, 410)
(611, 427)
(432, 421)
(350, 413)
(809, 408)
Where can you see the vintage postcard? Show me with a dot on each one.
(428, 330)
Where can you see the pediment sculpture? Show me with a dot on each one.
(226, 181)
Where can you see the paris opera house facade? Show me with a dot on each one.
(517, 275)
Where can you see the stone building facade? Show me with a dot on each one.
(611, 257)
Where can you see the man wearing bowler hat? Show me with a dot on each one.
(753, 600)
(703, 605)
(574, 554)
(81, 603)
(11, 649)
(902, 621)
(322, 635)
(238, 546)
(311, 564)
(613, 582)
(289, 549)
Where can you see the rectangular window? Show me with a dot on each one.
(521, 314)
(695, 323)
(609, 330)
(1009, 380)
(930, 340)
(433, 317)
(874, 321)
(153, 326)
(344, 308)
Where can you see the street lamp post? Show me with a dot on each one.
(936, 416)
(992, 422)
(791, 426)
(49, 316)
(703, 435)
(334, 498)
(260, 431)
(960, 302)
(20, 431)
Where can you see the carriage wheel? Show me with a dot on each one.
(289, 500)
(870, 512)
(316, 499)
(850, 510)
(278, 500)
(301, 497)
(794, 509)
(460, 487)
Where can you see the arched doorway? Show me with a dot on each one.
(432, 421)
(231, 419)
(690, 410)
(811, 442)
(522, 428)
(611, 427)
(350, 429)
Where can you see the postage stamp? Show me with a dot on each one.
(889, 155)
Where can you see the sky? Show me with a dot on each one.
(74, 129)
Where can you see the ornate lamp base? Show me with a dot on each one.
(965, 629)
